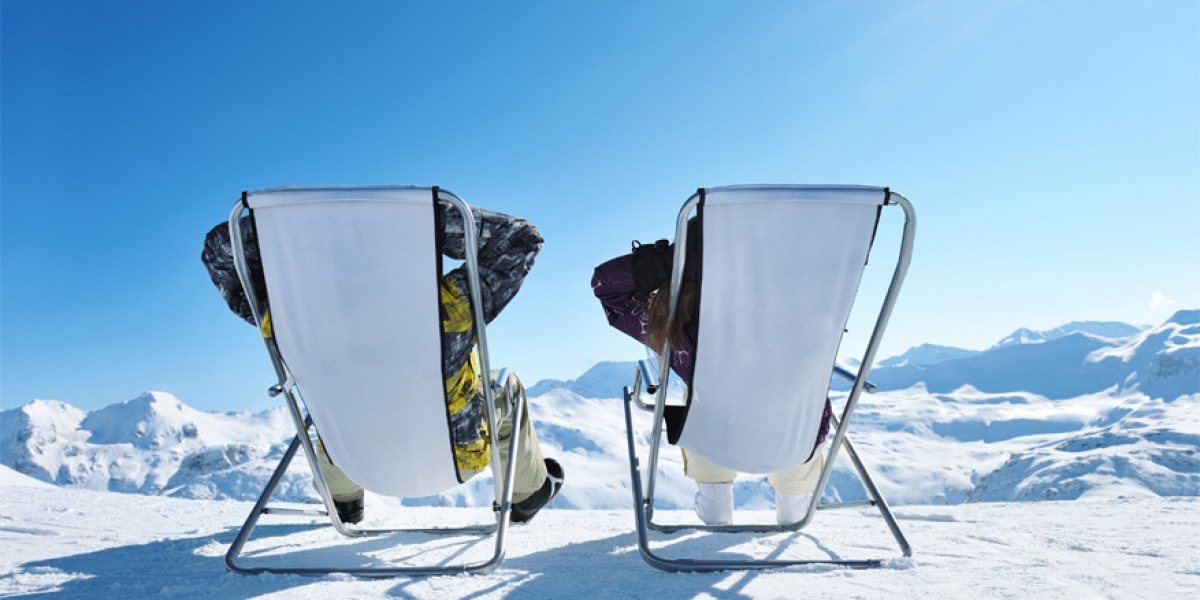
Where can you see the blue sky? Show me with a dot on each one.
(1052, 150)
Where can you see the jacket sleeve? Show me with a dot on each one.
(217, 256)
(612, 283)
(507, 248)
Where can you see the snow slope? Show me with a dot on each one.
(78, 543)
(9, 477)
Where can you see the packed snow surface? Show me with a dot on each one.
(78, 543)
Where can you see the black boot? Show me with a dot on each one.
(350, 511)
(524, 510)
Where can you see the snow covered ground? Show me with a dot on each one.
(93, 544)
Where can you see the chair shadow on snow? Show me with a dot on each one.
(607, 565)
(613, 567)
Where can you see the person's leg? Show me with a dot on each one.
(347, 495)
(714, 496)
(702, 470)
(531, 466)
(800, 479)
(537, 479)
(794, 488)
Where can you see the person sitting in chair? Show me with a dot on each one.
(507, 247)
(634, 290)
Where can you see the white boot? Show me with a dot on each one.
(714, 503)
(790, 508)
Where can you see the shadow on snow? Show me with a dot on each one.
(608, 566)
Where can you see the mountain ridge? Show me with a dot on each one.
(1162, 361)
(1101, 329)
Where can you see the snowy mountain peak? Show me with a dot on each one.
(53, 413)
(153, 419)
(604, 380)
(1185, 317)
(1078, 358)
(33, 436)
(1100, 329)
(926, 354)
(1020, 336)
(38, 422)
(151, 444)
(1163, 361)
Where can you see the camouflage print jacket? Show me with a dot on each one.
(507, 247)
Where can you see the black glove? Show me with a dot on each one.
(651, 266)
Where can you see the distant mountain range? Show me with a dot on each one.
(604, 380)
(1077, 358)
(596, 382)
(1081, 357)
(923, 355)
(1081, 409)
(153, 444)
(1099, 329)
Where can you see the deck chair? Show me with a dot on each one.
(353, 330)
(780, 267)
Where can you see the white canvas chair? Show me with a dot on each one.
(353, 330)
(780, 267)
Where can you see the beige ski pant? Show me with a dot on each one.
(531, 468)
(796, 481)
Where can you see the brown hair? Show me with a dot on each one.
(688, 308)
(657, 312)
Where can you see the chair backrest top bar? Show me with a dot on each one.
(781, 265)
(278, 196)
(862, 194)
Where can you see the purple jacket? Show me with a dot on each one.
(612, 282)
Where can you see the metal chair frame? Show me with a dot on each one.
(644, 501)
(501, 385)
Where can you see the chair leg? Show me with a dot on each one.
(642, 509)
(260, 508)
(876, 497)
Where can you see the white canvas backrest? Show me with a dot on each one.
(780, 268)
(352, 281)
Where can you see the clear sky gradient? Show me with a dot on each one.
(1052, 150)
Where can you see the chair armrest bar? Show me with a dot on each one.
(644, 366)
(642, 380)
(848, 376)
(501, 379)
